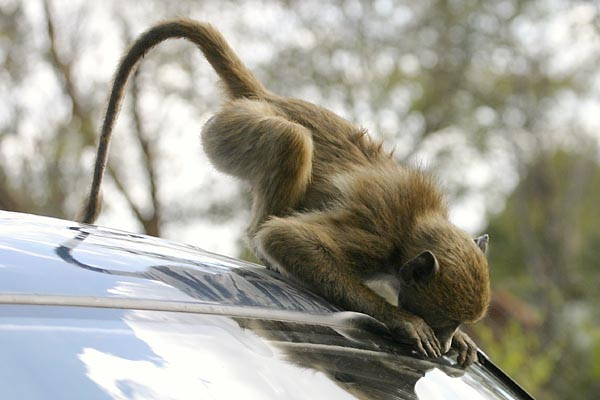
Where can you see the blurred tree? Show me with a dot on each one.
(53, 113)
(487, 93)
(546, 250)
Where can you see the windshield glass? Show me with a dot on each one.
(89, 353)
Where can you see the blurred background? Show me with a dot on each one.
(500, 99)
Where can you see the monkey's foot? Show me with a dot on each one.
(414, 331)
(467, 349)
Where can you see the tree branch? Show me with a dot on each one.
(152, 224)
(64, 70)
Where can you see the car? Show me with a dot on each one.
(88, 312)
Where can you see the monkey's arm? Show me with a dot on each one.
(314, 250)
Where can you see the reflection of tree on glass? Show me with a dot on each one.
(238, 286)
(300, 329)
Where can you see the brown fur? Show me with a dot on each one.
(331, 209)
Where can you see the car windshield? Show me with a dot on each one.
(100, 353)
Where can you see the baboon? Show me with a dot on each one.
(331, 209)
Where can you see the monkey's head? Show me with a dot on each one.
(447, 282)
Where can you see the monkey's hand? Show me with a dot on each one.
(467, 349)
(413, 330)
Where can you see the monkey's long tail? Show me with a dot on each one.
(238, 80)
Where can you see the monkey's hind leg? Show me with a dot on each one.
(247, 139)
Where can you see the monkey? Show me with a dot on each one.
(331, 210)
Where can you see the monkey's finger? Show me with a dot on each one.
(420, 349)
(433, 342)
(437, 344)
(463, 349)
(461, 358)
(471, 357)
(470, 353)
(470, 343)
(431, 350)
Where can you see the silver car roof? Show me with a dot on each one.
(52, 257)
(137, 303)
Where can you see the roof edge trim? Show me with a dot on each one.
(342, 319)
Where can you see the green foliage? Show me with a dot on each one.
(549, 227)
(545, 249)
(595, 355)
(521, 355)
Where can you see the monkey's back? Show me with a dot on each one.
(336, 141)
(339, 148)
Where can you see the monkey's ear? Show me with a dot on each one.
(482, 242)
(420, 269)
